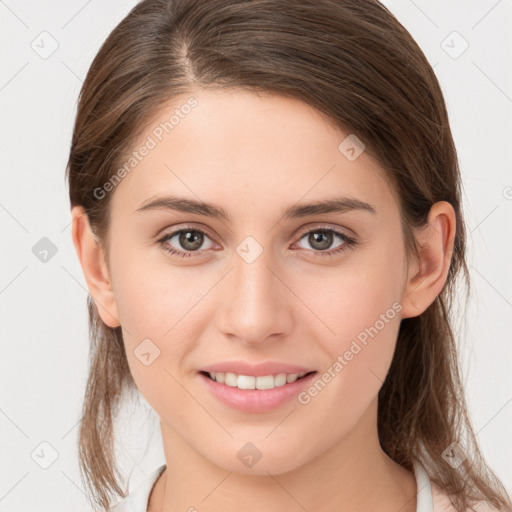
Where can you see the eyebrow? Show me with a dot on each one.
(329, 205)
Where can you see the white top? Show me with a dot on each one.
(429, 497)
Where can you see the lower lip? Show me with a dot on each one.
(255, 400)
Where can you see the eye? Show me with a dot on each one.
(189, 241)
(321, 238)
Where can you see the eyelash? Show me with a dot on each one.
(349, 242)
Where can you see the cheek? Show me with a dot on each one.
(151, 297)
(159, 309)
(154, 315)
(361, 306)
(353, 297)
(358, 359)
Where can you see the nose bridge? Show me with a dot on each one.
(254, 305)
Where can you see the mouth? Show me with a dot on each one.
(255, 394)
(251, 382)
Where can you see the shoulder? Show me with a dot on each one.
(442, 502)
(433, 498)
(137, 501)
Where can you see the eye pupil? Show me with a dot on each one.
(194, 238)
(320, 240)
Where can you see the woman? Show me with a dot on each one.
(266, 204)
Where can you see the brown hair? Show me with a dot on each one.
(353, 61)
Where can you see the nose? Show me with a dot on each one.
(255, 304)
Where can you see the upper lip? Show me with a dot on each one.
(256, 370)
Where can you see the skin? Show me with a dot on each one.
(255, 155)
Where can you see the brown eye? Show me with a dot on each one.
(320, 241)
(187, 241)
(190, 240)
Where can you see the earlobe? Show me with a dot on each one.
(427, 276)
(92, 259)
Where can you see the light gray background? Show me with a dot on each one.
(44, 343)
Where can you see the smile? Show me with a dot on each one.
(252, 382)
(255, 394)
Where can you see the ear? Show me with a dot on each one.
(92, 258)
(427, 275)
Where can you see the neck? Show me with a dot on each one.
(354, 475)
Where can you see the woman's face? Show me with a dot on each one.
(258, 286)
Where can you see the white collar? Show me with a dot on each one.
(137, 501)
(424, 501)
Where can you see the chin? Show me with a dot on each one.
(251, 460)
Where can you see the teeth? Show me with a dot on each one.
(250, 382)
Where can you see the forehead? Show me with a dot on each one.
(246, 151)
